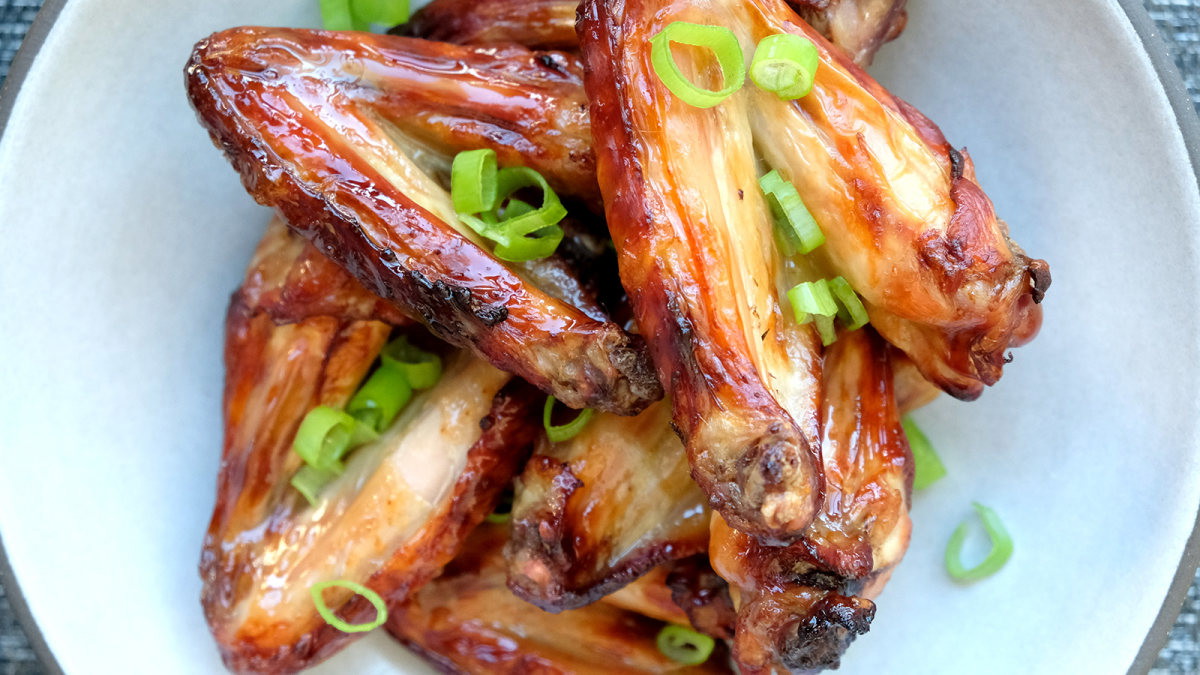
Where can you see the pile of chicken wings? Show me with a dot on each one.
(737, 477)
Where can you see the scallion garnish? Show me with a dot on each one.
(503, 511)
(850, 308)
(812, 298)
(420, 368)
(473, 181)
(484, 198)
(380, 12)
(928, 467)
(684, 645)
(564, 432)
(325, 435)
(790, 213)
(336, 15)
(785, 65)
(381, 398)
(381, 613)
(1002, 548)
(724, 45)
(310, 480)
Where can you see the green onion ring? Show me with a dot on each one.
(383, 12)
(851, 311)
(684, 645)
(381, 612)
(1002, 548)
(420, 368)
(927, 466)
(785, 65)
(381, 398)
(473, 181)
(800, 229)
(724, 45)
(565, 432)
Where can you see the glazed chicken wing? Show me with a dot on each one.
(904, 222)
(402, 507)
(338, 132)
(599, 510)
(800, 606)
(466, 621)
(860, 27)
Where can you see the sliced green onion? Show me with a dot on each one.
(791, 214)
(381, 613)
(383, 12)
(825, 329)
(325, 435)
(1002, 548)
(565, 432)
(336, 15)
(850, 311)
(309, 481)
(786, 65)
(503, 511)
(381, 398)
(812, 298)
(928, 468)
(420, 368)
(684, 645)
(481, 194)
(473, 181)
(724, 45)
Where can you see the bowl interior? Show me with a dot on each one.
(125, 232)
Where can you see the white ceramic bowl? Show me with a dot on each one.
(123, 232)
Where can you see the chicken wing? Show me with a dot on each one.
(466, 621)
(398, 513)
(860, 27)
(594, 513)
(800, 606)
(325, 127)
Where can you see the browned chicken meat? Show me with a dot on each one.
(397, 514)
(905, 223)
(340, 133)
(599, 510)
(860, 27)
(800, 606)
(466, 621)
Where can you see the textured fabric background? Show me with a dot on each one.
(1179, 21)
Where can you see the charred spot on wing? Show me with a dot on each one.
(956, 164)
(824, 634)
(1039, 272)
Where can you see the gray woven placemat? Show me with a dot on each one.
(1179, 21)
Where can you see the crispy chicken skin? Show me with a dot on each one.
(597, 511)
(290, 280)
(860, 27)
(325, 127)
(800, 606)
(400, 511)
(467, 621)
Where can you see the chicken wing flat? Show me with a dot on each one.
(860, 27)
(593, 513)
(467, 621)
(800, 606)
(398, 513)
(325, 128)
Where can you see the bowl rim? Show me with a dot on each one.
(1186, 118)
